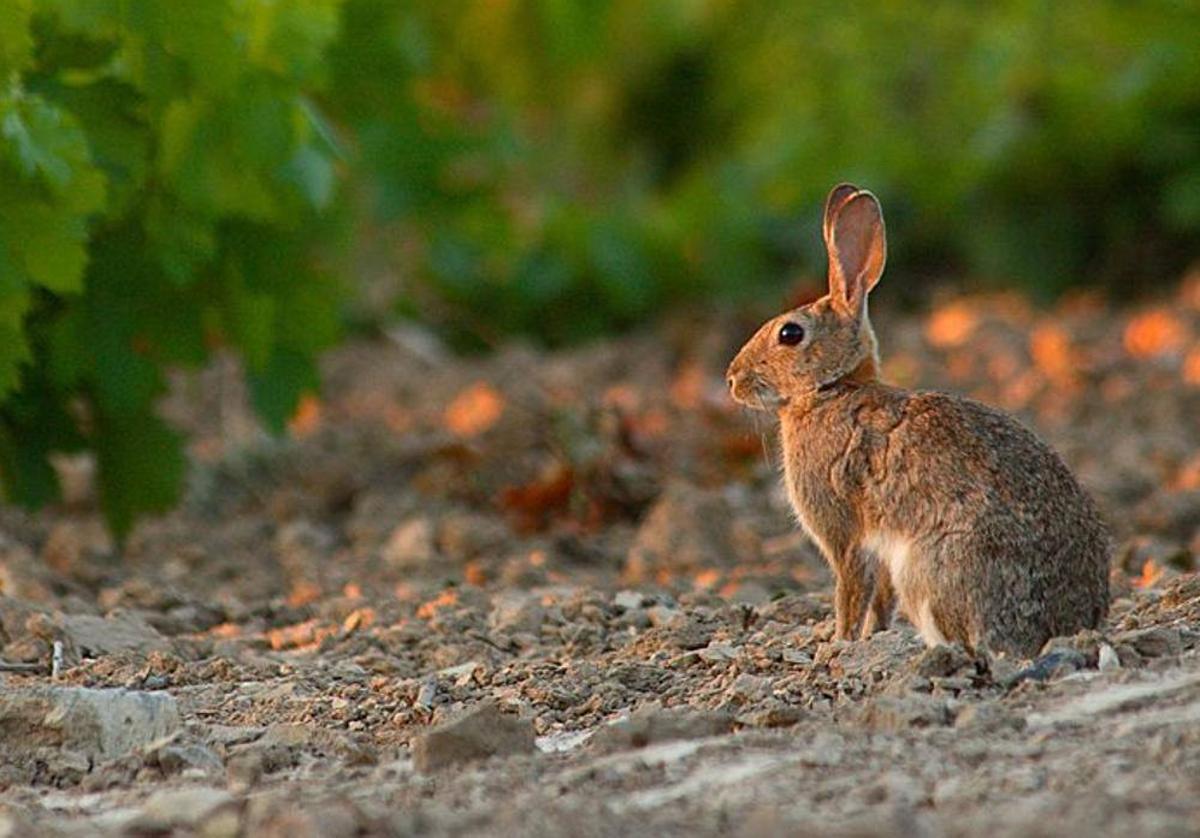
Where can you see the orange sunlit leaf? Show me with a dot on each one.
(1152, 333)
(302, 593)
(226, 631)
(475, 574)
(951, 325)
(300, 635)
(1050, 347)
(533, 505)
(1152, 571)
(352, 590)
(307, 418)
(708, 578)
(1191, 368)
(358, 618)
(1187, 479)
(621, 396)
(474, 410)
(729, 589)
(445, 599)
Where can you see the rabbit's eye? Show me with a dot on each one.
(791, 334)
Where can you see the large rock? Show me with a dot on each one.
(216, 810)
(688, 528)
(482, 731)
(99, 723)
(93, 637)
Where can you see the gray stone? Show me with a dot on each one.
(988, 717)
(747, 688)
(188, 807)
(628, 600)
(93, 637)
(718, 653)
(687, 528)
(941, 661)
(188, 757)
(653, 725)
(1155, 642)
(1053, 665)
(410, 544)
(1108, 659)
(517, 611)
(480, 732)
(102, 723)
(893, 714)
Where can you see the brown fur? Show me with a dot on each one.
(948, 508)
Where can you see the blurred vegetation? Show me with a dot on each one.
(162, 172)
(186, 176)
(563, 168)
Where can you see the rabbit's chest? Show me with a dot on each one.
(818, 488)
(829, 461)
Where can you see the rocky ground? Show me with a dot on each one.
(536, 594)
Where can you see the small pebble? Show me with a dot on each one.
(1108, 658)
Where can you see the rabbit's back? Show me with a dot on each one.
(987, 536)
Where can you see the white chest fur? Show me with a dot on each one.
(894, 553)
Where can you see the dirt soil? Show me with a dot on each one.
(590, 552)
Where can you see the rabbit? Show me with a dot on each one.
(945, 507)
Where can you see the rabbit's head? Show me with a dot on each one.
(801, 352)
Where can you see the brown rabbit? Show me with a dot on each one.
(951, 507)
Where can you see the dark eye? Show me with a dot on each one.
(791, 334)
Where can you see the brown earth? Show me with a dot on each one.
(579, 567)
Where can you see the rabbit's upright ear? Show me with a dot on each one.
(857, 250)
(838, 196)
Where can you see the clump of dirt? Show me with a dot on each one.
(590, 550)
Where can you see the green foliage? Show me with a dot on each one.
(161, 175)
(552, 167)
(560, 168)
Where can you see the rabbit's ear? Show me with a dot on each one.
(857, 250)
(838, 196)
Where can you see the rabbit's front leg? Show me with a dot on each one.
(883, 603)
(855, 588)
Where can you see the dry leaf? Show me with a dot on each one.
(474, 410)
(307, 418)
(1154, 333)
(951, 325)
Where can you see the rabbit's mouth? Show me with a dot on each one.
(754, 393)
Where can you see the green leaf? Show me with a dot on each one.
(314, 175)
(112, 117)
(51, 244)
(43, 141)
(140, 467)
(25, 472)
(33, 423)
(277, 388)
(16, 45)
(251, 319)
(14, 350)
